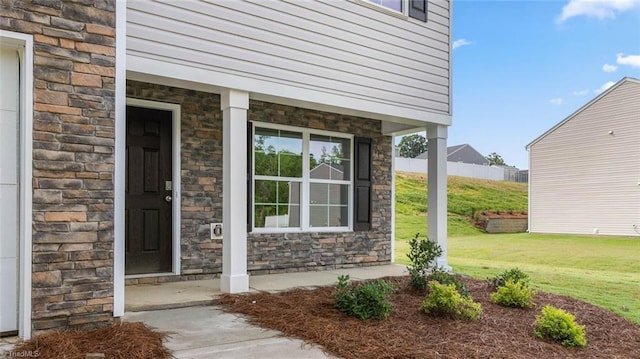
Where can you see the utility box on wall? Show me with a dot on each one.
(216, 230)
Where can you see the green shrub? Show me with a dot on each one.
(364, 301)
(558, 325)
(445, 278)
(514, 274)
(514, 294)
(423, 254)
(444, 300)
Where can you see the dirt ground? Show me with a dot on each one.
(500, 333)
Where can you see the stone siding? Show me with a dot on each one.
(73, 160)
(201, 172)
(289, 252)
(201, 156)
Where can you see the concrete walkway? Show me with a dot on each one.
(207, 332)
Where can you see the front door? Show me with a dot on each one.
(9, 189)
(148, 191)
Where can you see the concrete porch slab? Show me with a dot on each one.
(159, 296)
(145, 297)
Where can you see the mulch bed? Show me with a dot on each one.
(128, 340)
(500, 333)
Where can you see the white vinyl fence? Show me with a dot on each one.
(453, 169)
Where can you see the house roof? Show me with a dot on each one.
(461, 153)
(587, 105)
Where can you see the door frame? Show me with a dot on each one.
(23, 43)
(175, 180)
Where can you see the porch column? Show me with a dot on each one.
(234, 106)
(437, 189)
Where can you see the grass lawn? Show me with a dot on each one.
(600, 270)
(604, 271)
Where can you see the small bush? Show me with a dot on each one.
(515, 275)
(444, 300)
(368, 300)
(558, 325)
(514, 294)
(422, 254)
(445, 278)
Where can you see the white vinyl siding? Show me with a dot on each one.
(584, 179)
(334, 47)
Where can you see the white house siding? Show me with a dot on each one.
(584, 180)
(339, 52)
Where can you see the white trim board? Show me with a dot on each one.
(24, 45)
(119, 153)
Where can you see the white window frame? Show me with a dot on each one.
(401, 14)
(306, 180)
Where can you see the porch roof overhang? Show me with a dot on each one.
(396, 118)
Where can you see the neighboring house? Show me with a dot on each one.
(462, 153)
(129, 127)
(584, 173)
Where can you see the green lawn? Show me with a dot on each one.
(604, 271)
(601, 270)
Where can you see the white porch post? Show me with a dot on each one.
(437, 188)
(234, 106)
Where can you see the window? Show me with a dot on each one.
(301, 179)
(416, 9)
(389, 4)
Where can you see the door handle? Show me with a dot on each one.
(168, 198)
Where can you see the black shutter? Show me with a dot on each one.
(418, 9)
(249, 176)
(362, 185)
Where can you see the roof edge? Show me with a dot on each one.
(584, 107)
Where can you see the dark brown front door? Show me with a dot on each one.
(148, 191)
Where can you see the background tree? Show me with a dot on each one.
(495, 159)
(413, 145)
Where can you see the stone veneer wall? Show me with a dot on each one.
(73, 161)
(201, 155)
(290, 252)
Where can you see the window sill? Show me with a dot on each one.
(300, 231)
(380, 8)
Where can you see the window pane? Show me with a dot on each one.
(338, 216)
(289, 216)
(328, 216)
(329, 157)
(265, 146)
(277, 204)
(278, 153)
(339, 194)
(290, 165)
(318, 193)
(391, 4)
(265, 192)
(264, 216)
(318, 216)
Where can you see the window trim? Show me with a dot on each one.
(306, 180)
(399, 14)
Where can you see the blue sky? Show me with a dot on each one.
(520, 67)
